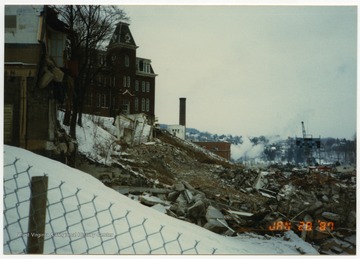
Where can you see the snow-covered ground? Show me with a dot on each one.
(119, 225)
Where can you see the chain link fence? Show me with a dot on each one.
(78, 224)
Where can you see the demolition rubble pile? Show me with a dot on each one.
(318, 203)
(174, 178)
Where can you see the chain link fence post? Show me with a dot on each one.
(37, 215)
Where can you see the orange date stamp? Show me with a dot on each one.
(302, 226)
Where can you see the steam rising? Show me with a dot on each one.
(246, 150)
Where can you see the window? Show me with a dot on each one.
(142, 104)
(126, 81)
(98, 103)
(147, 104)
(136, 85)
(126, 107)
(136, 104)
(127, 61)
(10, 22)
(143, 86)
(113, 81)
(148, 87)
(103, 100)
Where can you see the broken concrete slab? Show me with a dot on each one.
(216, 225)
(213, 213)
(240, 213)
(178, 210)
(188, 186)
(179, 187)
(260, 181)
(172, 196)
(331, 216)
(197, 210)
(159, 207)
(152, 200)
(188, 195)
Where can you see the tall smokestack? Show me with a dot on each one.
(182, 117)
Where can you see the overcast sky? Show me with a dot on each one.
(253, 70)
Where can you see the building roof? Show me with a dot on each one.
(122, 36)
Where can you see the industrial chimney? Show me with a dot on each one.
(182, 117)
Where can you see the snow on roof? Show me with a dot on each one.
(130, 226)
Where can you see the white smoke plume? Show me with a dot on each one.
(246, 149)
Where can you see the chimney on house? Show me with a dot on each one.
(182, 117)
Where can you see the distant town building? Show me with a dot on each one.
(177, 131)
(222, 149)
(126, 83)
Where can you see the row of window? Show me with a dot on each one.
(106, 80)
(110, 80)
(145, 86)
(102, 101)
(141, 65)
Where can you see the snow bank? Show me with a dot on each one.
(96, 138)
(90, 218)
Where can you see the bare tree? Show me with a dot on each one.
(91, 27)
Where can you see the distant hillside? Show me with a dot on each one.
(277, 149)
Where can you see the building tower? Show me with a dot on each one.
(182, 116)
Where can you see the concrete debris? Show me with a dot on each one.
(317, 205)
(152, 200)
(331, 216)
(160, 208)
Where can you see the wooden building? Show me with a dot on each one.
(34, 81)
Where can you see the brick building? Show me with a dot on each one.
(222, 149)
(125, 83)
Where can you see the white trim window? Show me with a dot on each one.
(143, 86)
(147, 87)
(136, 85)
(147, 104)
(142, 104)
(136, 104)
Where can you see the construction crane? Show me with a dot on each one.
(303, 129)
(307, 142)
(306, 146)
